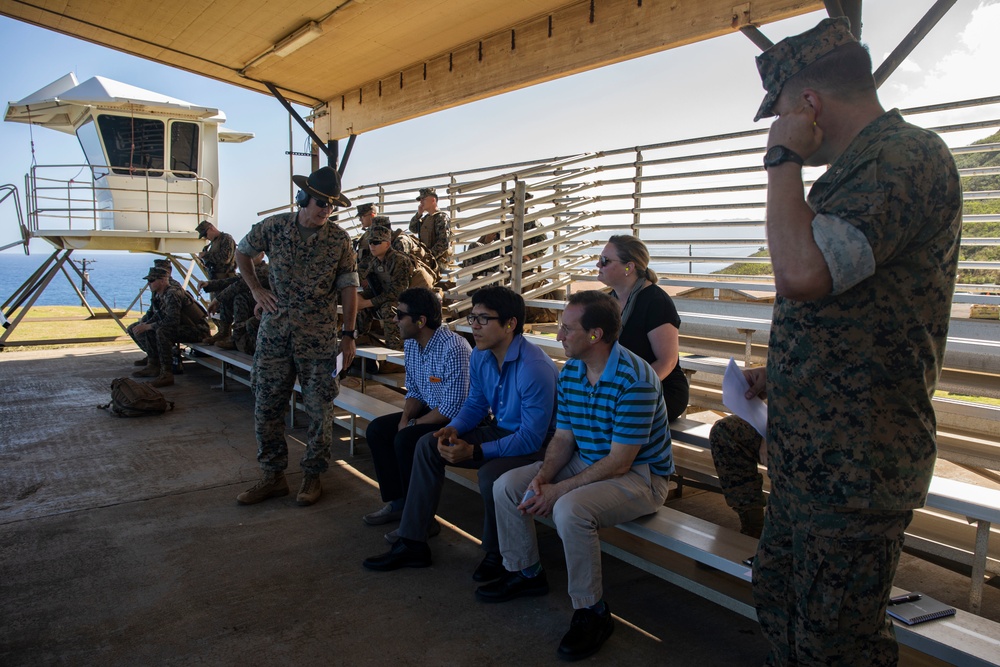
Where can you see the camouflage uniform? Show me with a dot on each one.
(219, 257)
(180, 320)
(236, 302)
(850, 376)
(152, 314)
(735, 452)
(387, 279)
(300, 339)
(434, 231)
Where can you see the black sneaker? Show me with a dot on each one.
(587, 632)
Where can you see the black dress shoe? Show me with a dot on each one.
(587, 632)
(491, 568)
(513, 585)
(404, 553)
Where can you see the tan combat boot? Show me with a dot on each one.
(225, 343)
(271, 485)
(151, 370)
(164, 379)
(310, 490)
(225, 331)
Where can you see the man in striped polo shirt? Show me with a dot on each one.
(607, 463)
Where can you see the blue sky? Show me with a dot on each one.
(700, 89)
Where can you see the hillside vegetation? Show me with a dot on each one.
(970, 229)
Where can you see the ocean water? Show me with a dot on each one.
(117, 276)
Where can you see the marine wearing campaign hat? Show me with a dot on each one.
(322, 185)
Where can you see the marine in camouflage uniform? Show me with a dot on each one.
(432, 227)
(235, 305)
(312, 266)
(865, 272)
(736, 451)
(367, 216)
(152, 313)
(390, 274)
(180, 320)
(219, 256)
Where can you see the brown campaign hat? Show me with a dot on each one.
(324, 183)
(793, 54)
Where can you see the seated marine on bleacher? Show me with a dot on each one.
(180, 319)
(390, 273)
(607, 463)
(219, 256)
(513, 385)
(152, 313)
(737, 448)
(235, 304)
(367, 216)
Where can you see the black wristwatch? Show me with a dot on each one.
(776, 155)
(348, 333)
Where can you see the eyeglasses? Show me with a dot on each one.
(480, 319)
(565, 330)
(604, 260)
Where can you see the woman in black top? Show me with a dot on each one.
(650, 323)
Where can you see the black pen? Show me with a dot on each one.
(909, 597)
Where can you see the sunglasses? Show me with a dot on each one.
(323, 203)
(400, 314)
(604, 260)
(371, 243)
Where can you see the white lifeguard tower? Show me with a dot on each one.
(151, 174)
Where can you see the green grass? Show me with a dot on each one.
(62, 324)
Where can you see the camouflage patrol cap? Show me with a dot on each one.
(378, 233)
(155, 273)
(202, 228)
(793, 54)
(427, 192)
(162, 264)
(365, 208)
(381, 221)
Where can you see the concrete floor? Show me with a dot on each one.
(121, 543)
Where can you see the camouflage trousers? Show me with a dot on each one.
(384, 314)
(245, 335)
(821, 582)
(272, 379)
(735, 451)
(236, 309)
(158, 343)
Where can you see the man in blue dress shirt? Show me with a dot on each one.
(514, 381)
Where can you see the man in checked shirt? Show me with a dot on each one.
(437, 383)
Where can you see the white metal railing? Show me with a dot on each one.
(58, 198)
(697, 203)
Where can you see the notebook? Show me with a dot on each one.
(924, 609)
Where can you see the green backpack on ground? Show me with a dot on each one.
(135, 399)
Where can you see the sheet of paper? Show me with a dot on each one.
(734, 390)
(340, 364)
